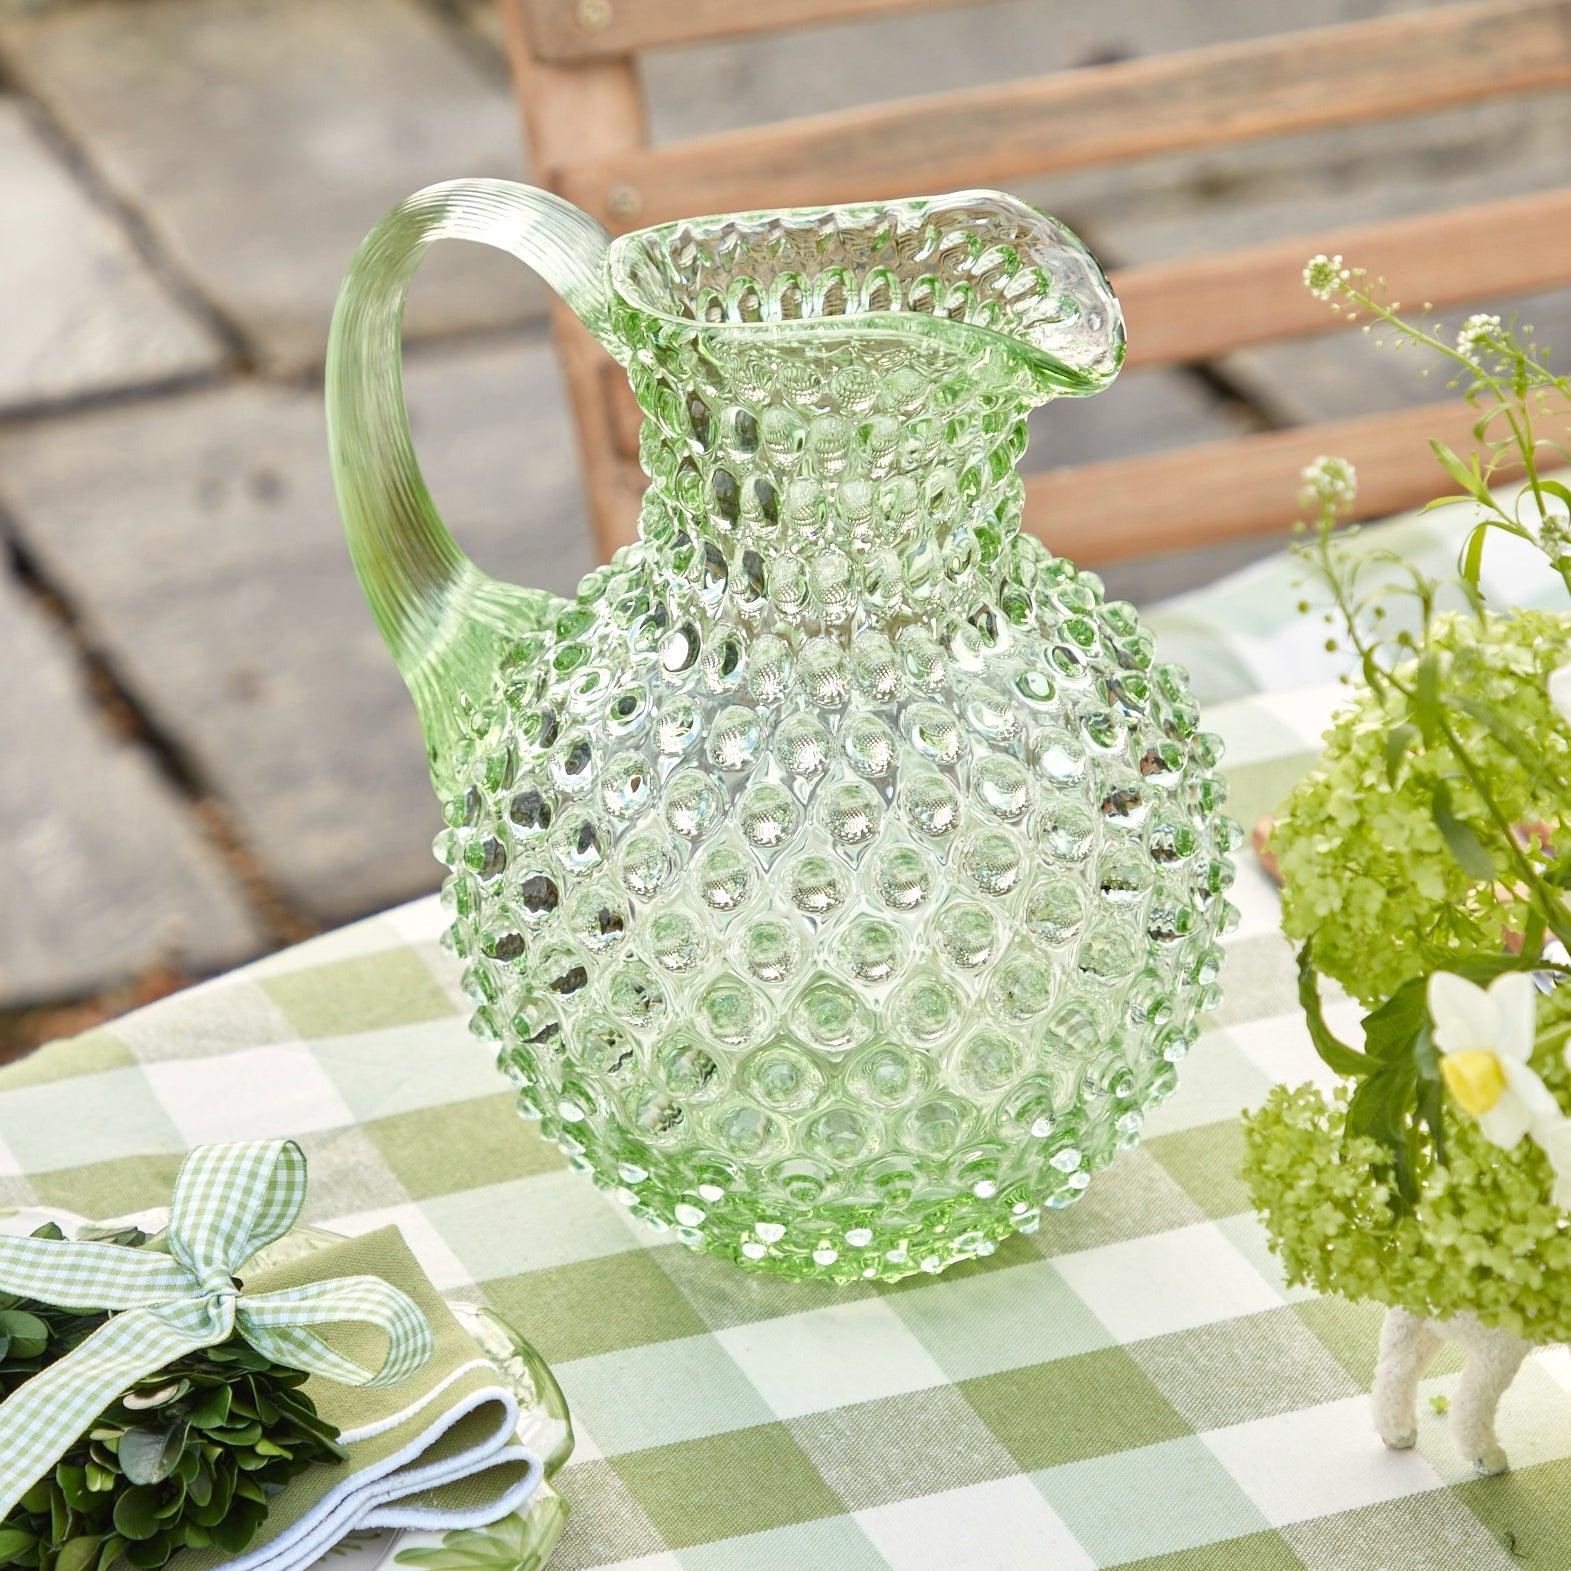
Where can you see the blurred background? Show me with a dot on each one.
(205, 752)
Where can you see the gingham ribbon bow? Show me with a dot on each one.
(229, 1201)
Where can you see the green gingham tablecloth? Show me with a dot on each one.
(1132, 1386)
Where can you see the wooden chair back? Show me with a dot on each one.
(575, 66)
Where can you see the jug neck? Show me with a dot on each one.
(900, 493)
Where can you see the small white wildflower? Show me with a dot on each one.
(1324, 275)
(1329, 481)
(1477, 333)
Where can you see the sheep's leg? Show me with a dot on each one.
(1493, 1358)
(1408, 1344)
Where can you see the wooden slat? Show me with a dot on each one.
(595, 108)
(1185, 311)
(1330, 76)
(1196, 496)
(565, 30)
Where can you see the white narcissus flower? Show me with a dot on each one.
(1560, 692)
(1485, 1037)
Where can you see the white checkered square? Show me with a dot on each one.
(831, 1357)
(1167, 1282)
(257, 1093)
(1317, 1461)
(1004, 1525)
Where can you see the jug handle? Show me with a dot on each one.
(444, 620)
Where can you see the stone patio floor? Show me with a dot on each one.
(204, 750)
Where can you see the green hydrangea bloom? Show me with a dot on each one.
(1484, 1236)
(1365, 869)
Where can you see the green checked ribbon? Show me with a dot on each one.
(229, 1202)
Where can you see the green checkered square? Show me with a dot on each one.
(363, 993)
(1048, 1414)
(595, 1306)
(456, 1146)
(109, 1188)
(1254, 1552)
(92, 1053)
(723, 1486)
(1527, 1512)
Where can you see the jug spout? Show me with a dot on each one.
(446, 623)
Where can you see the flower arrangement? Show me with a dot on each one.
(1425, 864)
(187, 1458)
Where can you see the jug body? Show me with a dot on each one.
(837, 876)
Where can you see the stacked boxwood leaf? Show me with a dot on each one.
(186, 1459)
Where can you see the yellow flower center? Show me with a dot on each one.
(1475, 1079)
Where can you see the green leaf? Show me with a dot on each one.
(1426, 698)
(1472, 560)
(60, 1515)
(109, 1550)
(73, 1485)
(1468, 478)
(14, 1543)
(27, 1335)
(79, 1554)
(157, 1396)
(1399, 743)
(239, 1526)
(1378, 1110)
(152, 1553)
(199, 1487)
(1391, 1030)
(1336, 1054)
(1430, 1100)
(1460, 837)
(36, 1500)
(136, 1513)
(151, 1452)
(211, 1409)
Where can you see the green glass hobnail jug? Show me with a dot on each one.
(837, 876)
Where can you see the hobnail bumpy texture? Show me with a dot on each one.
(839, 878)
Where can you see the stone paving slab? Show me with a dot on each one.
(103, 871)
(201, 544)
(80, 313)
(262, 138)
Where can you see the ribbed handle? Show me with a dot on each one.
(442, 618)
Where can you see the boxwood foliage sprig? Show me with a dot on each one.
(187, 1459)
